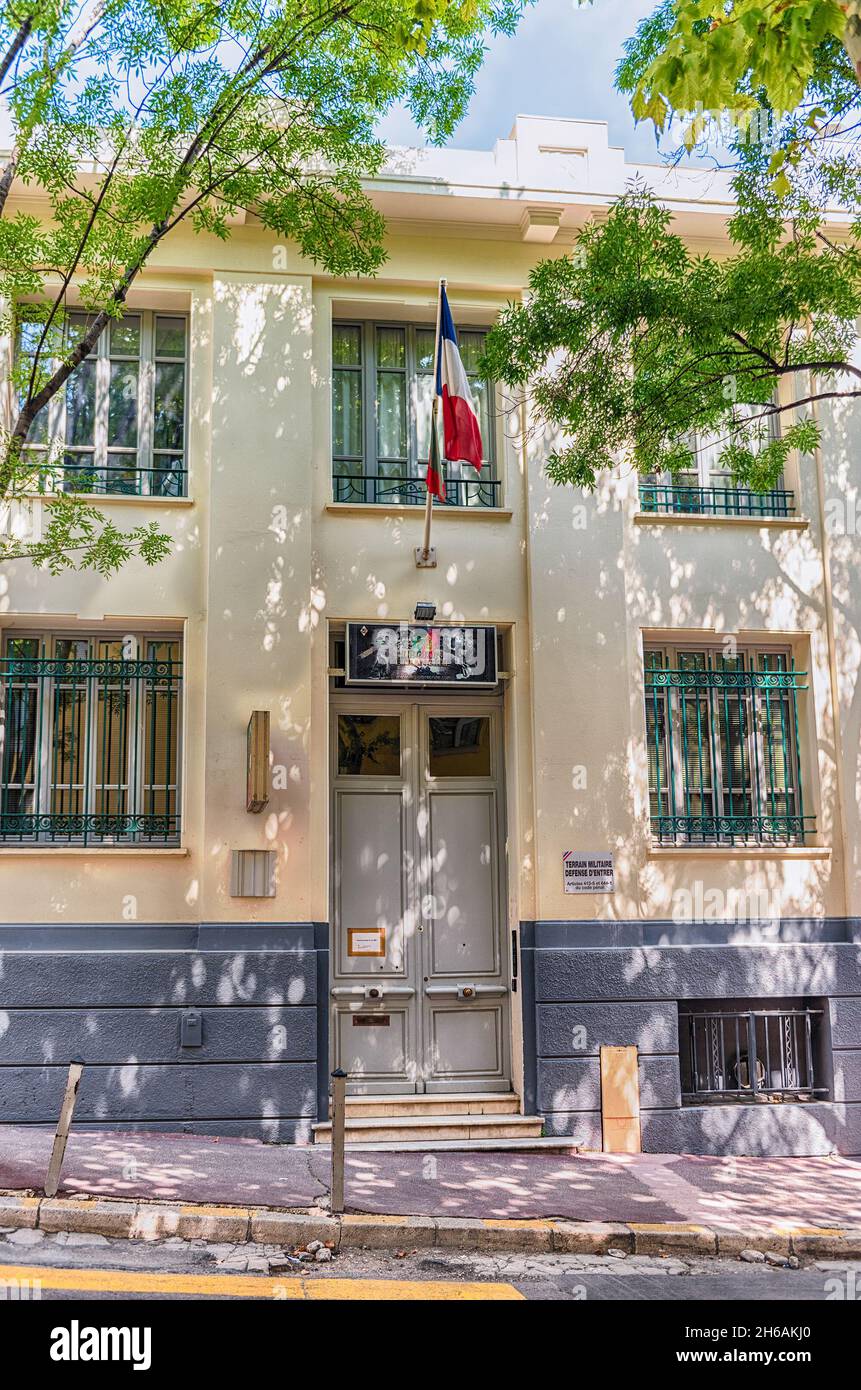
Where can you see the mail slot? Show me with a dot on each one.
(371, 1020)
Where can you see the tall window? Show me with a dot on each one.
(382, 393)
(119, 425)
(90, 737)
(709, 489)
(723, 746)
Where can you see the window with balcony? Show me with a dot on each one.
(708, 489)
(119, 427)
(723, 747)
(90, 739)
(382, 393)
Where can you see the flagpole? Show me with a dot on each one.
(425, 548)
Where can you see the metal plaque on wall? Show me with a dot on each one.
(421, 654)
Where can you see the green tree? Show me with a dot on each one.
(135, 116)
(634, 347)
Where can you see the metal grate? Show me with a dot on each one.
(667, 499)
(723, 747)
(90, 750)
(749, 1054)
(411, 492)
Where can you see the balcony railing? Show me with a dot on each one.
(411, 492)
(89, 751)
(749, 1055)
(158, 481)
(675, 500)
(725, 767)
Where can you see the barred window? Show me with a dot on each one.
(120, 424)
(382, 394)
(723, 746)
(90, 739)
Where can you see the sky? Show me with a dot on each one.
(559, 63)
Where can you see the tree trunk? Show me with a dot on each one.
(852, 39)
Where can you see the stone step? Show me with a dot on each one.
(482, 1103)
(395, 1129)
(563, 1144)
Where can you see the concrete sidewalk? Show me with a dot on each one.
(751, 1194)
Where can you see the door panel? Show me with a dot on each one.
(417, 871)
(462, 905)
(370, 886)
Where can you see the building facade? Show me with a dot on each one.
(629, 817)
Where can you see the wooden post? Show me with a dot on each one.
(67, 1110)
(620, 1100)
(339, 1115)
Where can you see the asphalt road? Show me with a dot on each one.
(90, 1267)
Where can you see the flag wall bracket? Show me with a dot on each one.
(425, 559)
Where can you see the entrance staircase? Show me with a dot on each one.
(489, 1120)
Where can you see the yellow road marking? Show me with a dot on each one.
(251, 1285)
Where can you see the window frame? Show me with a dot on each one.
(136, 785)
(701, 478)
(53, 450)
(758, 787)
(414, 467)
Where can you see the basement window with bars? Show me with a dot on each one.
(90, 739)
(747, 1051)
(723, 747)
(382, 394)
(119, 427)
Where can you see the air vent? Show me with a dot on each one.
(252, 873)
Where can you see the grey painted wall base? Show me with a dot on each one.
(115, 998)
(590, 985)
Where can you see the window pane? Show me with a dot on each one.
(169, 405)
(391, 347)
(424, 414)
(347, 414)
(123, 404)
(81, 403)
(170, 337)
(121, 474)
(425, 338)
(460, 747)
(346, 345)
(471, 349)
(125, 337)
(391, 416)
(369, 745)
(167, 478)
(79, 472)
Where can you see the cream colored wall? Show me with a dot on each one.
(263, 565)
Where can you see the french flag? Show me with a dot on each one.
(460, 423)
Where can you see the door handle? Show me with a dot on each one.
(465, 991)
(372, 993)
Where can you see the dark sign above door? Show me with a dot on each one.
(420, 654)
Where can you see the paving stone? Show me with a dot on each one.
(26, 1236)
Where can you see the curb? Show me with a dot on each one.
(353, 1231)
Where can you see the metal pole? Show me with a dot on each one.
(426, 545)
(339, 1111)
(67, 1110)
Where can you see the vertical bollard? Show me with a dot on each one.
(339, 1115)
(64, 1124)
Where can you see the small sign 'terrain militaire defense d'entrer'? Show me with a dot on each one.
(420, 654)
(588, 873)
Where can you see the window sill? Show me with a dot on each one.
(101, 499)
(739, 852)
(93, 851)
(778, 523)
(411, 508)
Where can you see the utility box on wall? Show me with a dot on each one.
(252, 873)
(620, 1100)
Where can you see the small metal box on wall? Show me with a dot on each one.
(257, 752)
